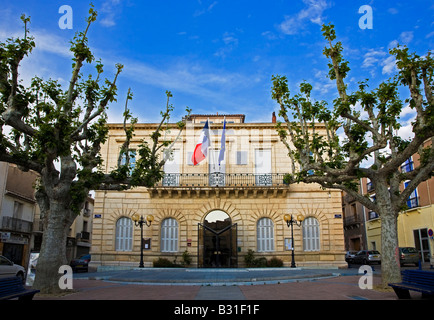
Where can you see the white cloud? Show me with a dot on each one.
(322, 83)
(230, 42)
(393, 44)
(407, 111)
(372, 57)
(406, 37)
(375, 58)
(269, 35)
(313, 13)
(389, 65)
(202, 11)
(110, 9)
(393, 11)
(53, 44)
(185, 77)
(429, 35)
(44, 41)
(407, 117)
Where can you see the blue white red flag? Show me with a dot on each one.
(201, 150)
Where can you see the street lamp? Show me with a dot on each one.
(140, 221)
(290, 222)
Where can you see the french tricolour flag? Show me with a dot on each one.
(201, 150)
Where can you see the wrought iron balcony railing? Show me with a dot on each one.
(218, 179)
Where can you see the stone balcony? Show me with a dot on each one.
(220, 184)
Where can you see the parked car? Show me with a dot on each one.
(349, 256)
(10, 269)
(409, 255)
(367, 257)
(81, 263)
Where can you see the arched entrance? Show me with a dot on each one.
(217, 241)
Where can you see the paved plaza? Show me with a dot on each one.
(225, 285)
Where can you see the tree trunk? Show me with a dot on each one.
(390, 266)
(53, 249)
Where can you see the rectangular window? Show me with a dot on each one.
(311, 237)
(169, 235)
(412, 201)
(407, 166)
(217, 171)
(263, 167)
(373, 214)
(132, 155)
(172, 169)
(124, 234)
(369, 185)
(241, 157)
(265, 235)
(189, 156)
(18, 210)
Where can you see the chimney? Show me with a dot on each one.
(273, 118)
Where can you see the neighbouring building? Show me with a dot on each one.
(362, 227)
(17, 211)
(21, 228)
(79, 236)
(80, 233)
(217, 211)
(416, 223)
(354, 223)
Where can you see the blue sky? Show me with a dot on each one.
(219, 56)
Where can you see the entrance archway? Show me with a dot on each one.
(217, 241)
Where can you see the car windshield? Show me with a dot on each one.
(409, 250)
(373, 252)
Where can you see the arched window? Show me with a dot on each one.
(311, 234)
(124, 234)
(169, 235)
(265, 235)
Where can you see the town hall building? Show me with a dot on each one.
(220, 209)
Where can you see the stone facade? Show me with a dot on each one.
(247, 190)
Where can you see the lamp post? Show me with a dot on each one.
(140, 221)
(290, 222)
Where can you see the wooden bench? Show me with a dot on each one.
(415, 280)
(11, 288)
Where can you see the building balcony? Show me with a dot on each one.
(232, 184)
(16, 225)
(83, 236)
(352, 222)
